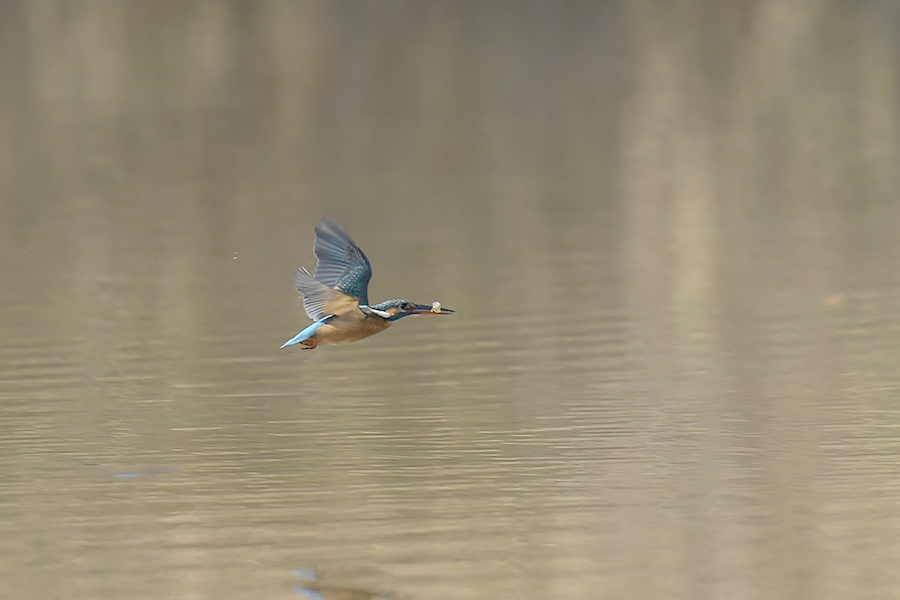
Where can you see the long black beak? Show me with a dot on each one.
(424, 309)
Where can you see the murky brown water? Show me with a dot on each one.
(670, 232)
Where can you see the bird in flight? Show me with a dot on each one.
(336, 297)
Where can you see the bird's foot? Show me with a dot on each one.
(308, 344)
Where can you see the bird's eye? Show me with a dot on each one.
(406, 306)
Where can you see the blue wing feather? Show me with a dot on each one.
(342, 265)
(316, 295)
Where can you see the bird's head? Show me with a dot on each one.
(399, 308)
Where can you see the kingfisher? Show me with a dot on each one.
(336, 297)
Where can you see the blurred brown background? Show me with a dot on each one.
(669, 228)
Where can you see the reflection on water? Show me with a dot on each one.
(314, 584)
(669, 233)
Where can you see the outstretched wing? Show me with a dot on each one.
(316, 295)
(342, 265)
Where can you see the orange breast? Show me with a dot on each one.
(350, 325)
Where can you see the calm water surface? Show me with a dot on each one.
(670, 234)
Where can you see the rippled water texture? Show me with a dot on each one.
(670, 231)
